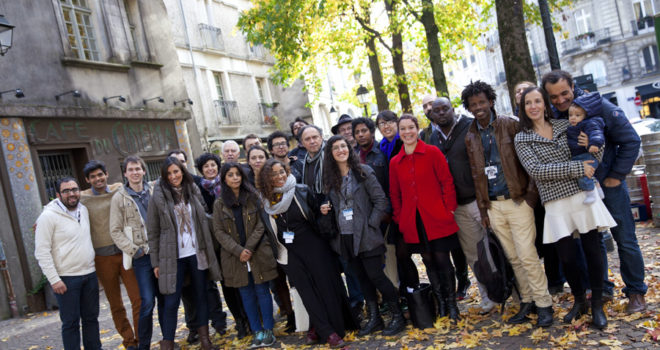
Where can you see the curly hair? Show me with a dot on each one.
(331, 175)
(265, 183)
(204, 158)
(474, 89)
(274, 135)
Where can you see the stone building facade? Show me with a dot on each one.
(92, 74)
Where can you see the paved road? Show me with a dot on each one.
(42, 331)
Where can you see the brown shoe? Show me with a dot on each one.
(166, 345)
(636, 303)
(335, 341)
(205, 341)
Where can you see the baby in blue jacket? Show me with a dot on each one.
(584, 116)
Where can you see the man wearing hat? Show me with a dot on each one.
(345, 129)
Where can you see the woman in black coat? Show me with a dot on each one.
(304, 255)
(357, 205)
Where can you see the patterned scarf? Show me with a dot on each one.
(183, 214)
(213, 186)
(387, 146)
(318, 169)
(287, 192)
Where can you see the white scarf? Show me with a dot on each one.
(288, 191)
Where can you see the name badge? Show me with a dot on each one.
(288, 237)
(491, 172)
(348, 214)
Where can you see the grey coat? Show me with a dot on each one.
(162, 232)
(370, 205)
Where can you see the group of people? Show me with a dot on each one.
(298, 219)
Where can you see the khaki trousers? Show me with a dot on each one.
(514, 226)
(109, 270)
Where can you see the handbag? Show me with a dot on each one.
(302, 317)
(421, 306)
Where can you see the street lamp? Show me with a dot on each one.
(6, 35)
(363, 98)
(18, 93)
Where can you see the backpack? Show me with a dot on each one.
(492, 269)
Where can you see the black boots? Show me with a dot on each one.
(374, 322)
(545, 316)
(598, 318)
(449, 292)
(438, 291)
(579, 308)
(398, 322)
(521, 316)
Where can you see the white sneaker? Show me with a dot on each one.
(486, 306)
(600, 192)
(591, 197)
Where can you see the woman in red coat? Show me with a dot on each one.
(424, 200)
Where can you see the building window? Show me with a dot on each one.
(260, 90)
(582, 19)
(218, 86)
(648, 59)
(597, 69)
(79, 29)
(212, 37)
(54, 166)
(464, 63)
(643, 10)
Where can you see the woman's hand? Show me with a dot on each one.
(157, 272)
(583, 139)
(245, 255)
(325, 208)
(589, 170)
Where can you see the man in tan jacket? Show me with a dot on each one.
(109, 259)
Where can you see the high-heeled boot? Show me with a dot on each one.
(398, 322)
(579, 308)
(598, 318)
(449, 287)
(438, 291)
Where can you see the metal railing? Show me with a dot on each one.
(211, 37)
(643, 24)
(268, 113)
(650, 68)
(586, 41)
(256, 51)
(226, 112)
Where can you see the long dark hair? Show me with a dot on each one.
(186, 180)
(331, 174)
(265, 183)
(526, 123)
(226, 193)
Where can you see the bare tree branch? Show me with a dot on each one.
(376, 34)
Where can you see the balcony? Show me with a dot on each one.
(211, 37)
(586, 41)
(256, 51)
(268, 113)
(643, 25)
(649, 68)
(226, 112)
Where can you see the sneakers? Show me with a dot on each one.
(591, 197)
(486, 306)
(257, 339)
(267, 337)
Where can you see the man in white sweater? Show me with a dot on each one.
(63, 248)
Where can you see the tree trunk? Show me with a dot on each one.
(513, 41)
(432, 44)
(376, 75)
(397, 57)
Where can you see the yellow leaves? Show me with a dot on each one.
(609, 342)
(104, 331)
(470, 340)
(518, 329)
(567, 339)
(539, 335)
(418, 335)
(442, 325)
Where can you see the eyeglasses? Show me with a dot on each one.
(383, 124)
(70, 190)
(280, 144)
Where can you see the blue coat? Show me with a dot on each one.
(622, 142)
(593, 125)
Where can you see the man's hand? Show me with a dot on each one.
(485, 221)
(245, 255)
(583, 139)
(157, 272)
(59, 287)
(611, 182)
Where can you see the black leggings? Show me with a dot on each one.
(567, 250)
(370, 272)
(408, 274)
(438, 262)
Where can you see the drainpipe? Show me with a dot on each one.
(8, 285)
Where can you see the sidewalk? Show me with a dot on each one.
(42, 331)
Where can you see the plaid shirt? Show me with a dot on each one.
(549, 162)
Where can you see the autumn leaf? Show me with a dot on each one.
(539, 335)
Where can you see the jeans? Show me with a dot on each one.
(185, 266)
(79, 303)
(217, 316)
(256, 298)
(617, 202)
(355, 296)
(585, 183)
(148, 285)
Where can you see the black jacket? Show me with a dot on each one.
(459, 164)
(377, 160)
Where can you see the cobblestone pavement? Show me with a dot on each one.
(42, 331)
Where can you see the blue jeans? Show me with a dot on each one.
(585, 183)
(355, 295)
(256, 297)
(149, 292)
(617, 202)
(185, 266)
(79, 303)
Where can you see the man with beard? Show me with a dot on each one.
(230, 151)
(64, 250)
(345, 129)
